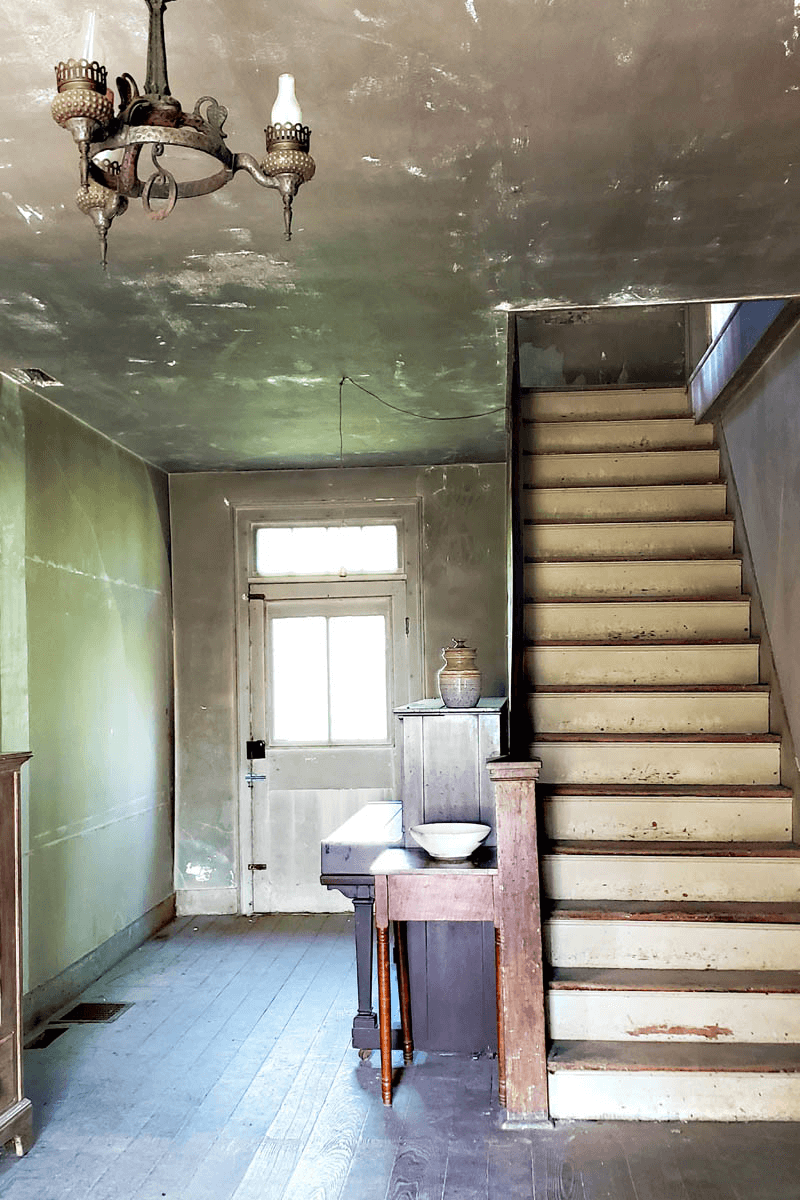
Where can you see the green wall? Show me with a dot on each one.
(86, 657)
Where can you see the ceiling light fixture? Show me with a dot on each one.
(110, 145)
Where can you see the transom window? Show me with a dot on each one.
(313, 550)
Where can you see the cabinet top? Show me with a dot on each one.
(436, 708)
(12, 762)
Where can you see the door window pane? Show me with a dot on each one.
(299, 679)
(326, 550)
(328, 679)
(358, 679)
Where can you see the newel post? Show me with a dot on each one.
(518, 918)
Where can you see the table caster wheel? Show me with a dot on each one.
(365, 1055)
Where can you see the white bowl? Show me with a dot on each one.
(450, 839)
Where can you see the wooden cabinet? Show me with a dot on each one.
(444, 755)
(15, 1110)
(445, 778)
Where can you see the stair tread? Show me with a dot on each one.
(643, 643)
(684, 418)
(579, 451)
(639, 485)
(673, 1056)
(633, 790)
(648, 519)
(614, 487)
(621, 979)
(620, 389)
(657, 689)
(637, 561)
(677, 849)
(688, 447)
(612, 602)
(669, 738)
(745, 912)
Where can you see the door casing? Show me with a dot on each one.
(406, 514)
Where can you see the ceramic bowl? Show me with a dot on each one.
(450, 839)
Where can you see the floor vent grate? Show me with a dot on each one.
(89, 1012)
(46, 1037)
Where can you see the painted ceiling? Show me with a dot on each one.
(472, 156)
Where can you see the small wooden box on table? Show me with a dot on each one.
(15, 1110)
(503, 890)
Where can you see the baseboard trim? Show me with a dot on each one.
(214, 901)
(40, 1004)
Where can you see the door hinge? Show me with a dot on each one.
(256, 866)
(408, 626)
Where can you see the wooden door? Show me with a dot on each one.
(328, 663)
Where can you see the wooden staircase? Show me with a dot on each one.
(671, 881)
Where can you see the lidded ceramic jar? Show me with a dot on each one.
(459, 679)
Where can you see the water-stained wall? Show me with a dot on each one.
(85, 650)
(463, 586)
(761, 428)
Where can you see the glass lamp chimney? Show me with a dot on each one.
(89, 35)
(286, 110)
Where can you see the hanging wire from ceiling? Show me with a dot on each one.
(405, 411)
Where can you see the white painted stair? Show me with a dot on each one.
(670, 879)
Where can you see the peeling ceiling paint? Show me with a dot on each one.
(474, 157)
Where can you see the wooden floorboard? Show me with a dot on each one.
(231, 1077)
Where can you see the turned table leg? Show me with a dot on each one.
(385, 1013)
(401, 944)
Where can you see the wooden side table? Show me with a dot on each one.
(409, 886)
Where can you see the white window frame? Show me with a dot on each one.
(380, 606)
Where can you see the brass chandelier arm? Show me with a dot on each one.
(246, 162)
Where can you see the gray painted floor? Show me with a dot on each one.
(231, 1076)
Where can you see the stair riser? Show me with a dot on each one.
(636, 712)
(674, 1096)
(658, 762)
(619, 504)
(672, 945)
(648, 620)
(673, 1016)
(694, 663)
(677, 819)
(668, 877)
(552, 437)
(600, 405)
(717, 578)
(657, 466)
(632, 539)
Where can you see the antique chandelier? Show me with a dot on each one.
(110, 145)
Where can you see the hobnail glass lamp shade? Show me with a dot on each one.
(286, 110)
